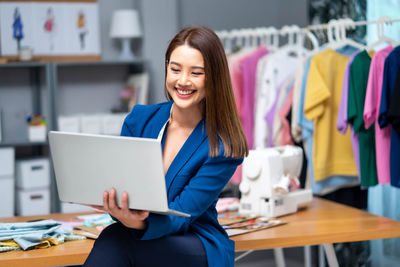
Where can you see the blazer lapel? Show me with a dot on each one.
(158, 121)
(184, 154)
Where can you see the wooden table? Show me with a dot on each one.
(321, 223)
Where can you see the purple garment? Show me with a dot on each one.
(341, 123)
(269, 118)
(248, 68)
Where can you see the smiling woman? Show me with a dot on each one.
(205, 51)
(203, 143)
(185, 80)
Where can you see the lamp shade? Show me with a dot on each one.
(125, 24)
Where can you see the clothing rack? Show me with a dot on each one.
(383, 19)
(262, 31)
(270, 35)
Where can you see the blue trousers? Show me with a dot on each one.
(118, 245)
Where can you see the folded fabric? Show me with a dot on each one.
(33, 235)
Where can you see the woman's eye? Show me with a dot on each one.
(197, 73)
(175, 70)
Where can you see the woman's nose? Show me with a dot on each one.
(184, 80)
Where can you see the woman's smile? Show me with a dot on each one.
(184, 93)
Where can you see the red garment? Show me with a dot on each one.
(48, 26)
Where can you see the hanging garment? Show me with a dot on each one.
(248, 67)
(371, 114)
(237, 84)
(275, 69)
(298, 78)
(358, 80)
(332, 152)
(329, 184)
(286, 138)
(341, 122)
(276, 136)
(392, 64)
(394, 107)
(236, 76)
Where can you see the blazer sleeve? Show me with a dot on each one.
(195, 198)
(132, 123)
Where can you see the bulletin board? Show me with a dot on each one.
(53, 30)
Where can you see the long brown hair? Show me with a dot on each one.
(221, 115)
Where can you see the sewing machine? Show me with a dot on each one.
(266, 180)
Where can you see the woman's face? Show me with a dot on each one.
(185, 80)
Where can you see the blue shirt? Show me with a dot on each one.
(392, 64)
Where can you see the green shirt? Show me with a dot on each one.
(358, 80)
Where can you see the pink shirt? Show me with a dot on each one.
(237, 84)
(371, 114)
(248, 67)
(236, 78)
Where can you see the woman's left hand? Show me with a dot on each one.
(128, 217)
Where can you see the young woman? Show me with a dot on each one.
(203, 143)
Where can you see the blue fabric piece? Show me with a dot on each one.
(392, 64)
(30, 234)
(194, 180)
(308, 130)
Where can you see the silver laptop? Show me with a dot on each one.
(86, 165)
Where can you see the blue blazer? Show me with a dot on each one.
(194, 180)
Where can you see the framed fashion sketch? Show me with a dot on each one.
(50, 29)
(16, 28)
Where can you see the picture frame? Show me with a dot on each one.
(134, 92)
(140, 83)
(51, 30)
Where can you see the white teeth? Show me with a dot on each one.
(185, 92)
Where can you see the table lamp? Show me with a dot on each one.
(125, 25)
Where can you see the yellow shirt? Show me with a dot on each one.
(332, 151)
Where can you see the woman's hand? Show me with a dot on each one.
(129, 218)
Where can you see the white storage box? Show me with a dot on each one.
(7, 183)
(90, 124)
(32, 173)
(112, 123)
(33, 202)
(7, 196)
(37, 133)
(7, 155)
(68, 124)
(71, 208)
